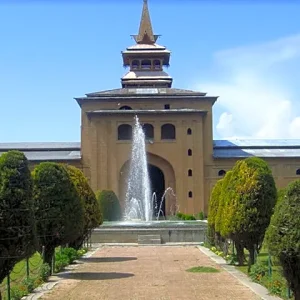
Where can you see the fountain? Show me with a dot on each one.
(141, 221)
(138, 204)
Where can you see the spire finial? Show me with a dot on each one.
(145, 35)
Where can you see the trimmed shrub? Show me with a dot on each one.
(58, 209)
(17, 231)
(90, 205)
(283, 235)
(109, 205)
(249, 204)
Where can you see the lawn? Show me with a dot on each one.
(19, 273)
(270, 277)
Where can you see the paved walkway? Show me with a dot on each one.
(146, 273)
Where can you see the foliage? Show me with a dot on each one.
(58, 209)
(91, 207)
(109, 205)
(29, 284)
(61, 261)
(186, 217)
(283, 235)
(71, 253)
(200, 216)
(258, 270)
(221, 220)
(44, 272)
(250, 206)
(214, 203)
(202, 269)
(17, 231)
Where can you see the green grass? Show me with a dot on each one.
(202, 269)
(19, 273)
(276, 283)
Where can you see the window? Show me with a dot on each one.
(146, 64)
(149, 131)
(167, 106)
(190, 152)
(189, 131)
(190, 194)
(190, 172)
(125, 107)
(168, 132)
(157, 65)
(221, 172)
(135, 65)
(125, 132)
(298, 172)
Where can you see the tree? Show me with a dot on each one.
(283, 235)
(17, 231)
(58, 209)
(91, 207)
(253, 196)
(213, 206)
(109, 205)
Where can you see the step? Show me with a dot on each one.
(149, 239)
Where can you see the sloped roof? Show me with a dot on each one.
(145, 91)
(243, 148)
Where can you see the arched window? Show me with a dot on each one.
(189, 131)
(168, 132)
(190, 194)
(135, 65)
(157, 64)
(298, 172)
(190, 152)
(124, 132)
(190, 172)
(149, 131)
(125, 107)
(222, 173)
(146, 64)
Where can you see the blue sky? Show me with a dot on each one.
(53, 51)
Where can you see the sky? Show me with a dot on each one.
(245, 52)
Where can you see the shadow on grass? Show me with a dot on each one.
(95, 275)
(106, 259)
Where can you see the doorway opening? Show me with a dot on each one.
(157, 180)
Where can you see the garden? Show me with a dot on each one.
(257, 228)
(46, 218)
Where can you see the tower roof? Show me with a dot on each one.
(145, 35)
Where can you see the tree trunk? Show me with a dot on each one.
(48, 255)
(251, 256)
(0, 296)
(297, 292)
(240, 254)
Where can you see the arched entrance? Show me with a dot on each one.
(161, 175)
(157, 180)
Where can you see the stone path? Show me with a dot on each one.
(145, 273)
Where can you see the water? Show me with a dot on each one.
(139, 202)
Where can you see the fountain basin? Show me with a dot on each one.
(169, 231)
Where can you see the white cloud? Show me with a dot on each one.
(257, 89)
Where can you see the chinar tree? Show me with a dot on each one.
(91, 208)
(58, 209)
(283, 235)
(253, 197)
(17, 229)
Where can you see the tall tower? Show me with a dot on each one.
(146, 59)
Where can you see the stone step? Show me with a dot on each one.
(149, 239)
